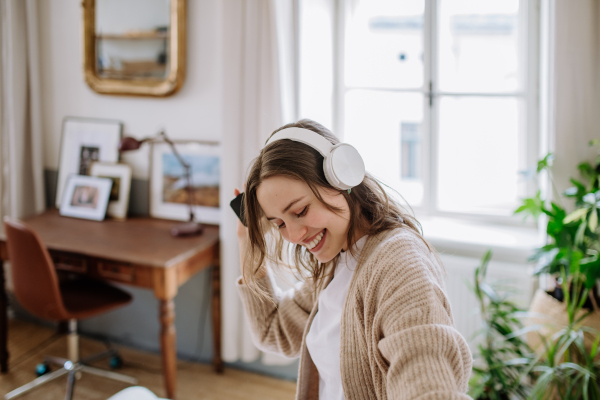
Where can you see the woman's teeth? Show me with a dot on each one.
(315, 241)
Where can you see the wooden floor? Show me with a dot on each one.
(29, 343)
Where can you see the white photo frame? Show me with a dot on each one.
(120, 174)
(168, 197)
(85, 140)
(86, 197)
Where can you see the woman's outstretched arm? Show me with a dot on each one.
(427, 357)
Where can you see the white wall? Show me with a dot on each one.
(577, 86)
(192, 113)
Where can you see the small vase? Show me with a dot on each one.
(551, 315)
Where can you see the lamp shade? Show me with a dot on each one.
(129, 143)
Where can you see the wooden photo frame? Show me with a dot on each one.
(85, 140)
(86, 197)
(120, 174)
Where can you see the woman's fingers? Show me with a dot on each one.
(236, 192)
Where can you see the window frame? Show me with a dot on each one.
(529, 52)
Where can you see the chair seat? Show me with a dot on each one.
(85, 298)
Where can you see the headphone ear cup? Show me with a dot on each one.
(329, 175)
(345, 166)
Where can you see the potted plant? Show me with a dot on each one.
(568, 367)
(574, 245)
(506, 368)
(503, 357)
(565, 321)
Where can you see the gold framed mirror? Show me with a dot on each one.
(134, 47)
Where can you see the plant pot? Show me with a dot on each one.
(555, 318)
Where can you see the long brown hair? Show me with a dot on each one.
(371, 210)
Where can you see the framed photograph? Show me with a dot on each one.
(120, 174)
(85, 140)
(86, 197)
(168, 194)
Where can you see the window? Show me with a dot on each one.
(439, 97)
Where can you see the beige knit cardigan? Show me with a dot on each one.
(397, 335)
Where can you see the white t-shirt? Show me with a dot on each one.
(323, 339)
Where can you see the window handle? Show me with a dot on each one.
(430, 94)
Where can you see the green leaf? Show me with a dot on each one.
(532, 206)
(593, 222)
(545, 163)
(589, 198)
(580, 234)
(575, 215)
(586, 169)
(575, 259)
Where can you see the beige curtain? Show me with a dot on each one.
(21, 163)
(259, 96)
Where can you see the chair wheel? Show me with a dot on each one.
(115, 362)
(42, 369)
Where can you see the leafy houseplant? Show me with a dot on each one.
(568, 368)
(574, 238)
(503, 357)
(506, 367)
(567, 365)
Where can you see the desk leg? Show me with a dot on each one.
(3, 322)
(168, 345)
(216, 317)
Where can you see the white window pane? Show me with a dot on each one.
(384, 44)
(479, 155)
(386, 129)
(478, 46)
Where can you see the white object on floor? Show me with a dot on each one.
(135, 393)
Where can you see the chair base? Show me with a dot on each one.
(72, 369)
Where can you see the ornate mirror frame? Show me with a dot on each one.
(155, 88)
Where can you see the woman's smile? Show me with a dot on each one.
(316, 243)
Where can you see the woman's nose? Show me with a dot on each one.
(296, 232)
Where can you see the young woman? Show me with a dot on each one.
(371, 319)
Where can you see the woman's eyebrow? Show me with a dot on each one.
(288, 207)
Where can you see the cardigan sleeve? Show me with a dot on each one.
(277, 326)
(427, 357)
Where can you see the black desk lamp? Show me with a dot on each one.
(191, 227)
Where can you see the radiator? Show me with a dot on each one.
(460, 273)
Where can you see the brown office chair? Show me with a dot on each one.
(39, 291)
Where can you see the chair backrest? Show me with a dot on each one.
(34, 277)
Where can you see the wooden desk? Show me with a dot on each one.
(138, 252)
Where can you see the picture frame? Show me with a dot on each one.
(86, 197)
(120, 174)
(168, 197)
(83, 141)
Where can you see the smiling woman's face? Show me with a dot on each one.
(302, 218)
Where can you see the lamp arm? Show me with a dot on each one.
(172, 145)
(186, 168)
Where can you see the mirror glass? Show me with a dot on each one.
(132, 39)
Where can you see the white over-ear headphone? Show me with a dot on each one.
(343, 166)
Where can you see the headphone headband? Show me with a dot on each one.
(305, 136)
(343, 166)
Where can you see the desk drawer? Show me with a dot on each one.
(116, 271)
(63, 262)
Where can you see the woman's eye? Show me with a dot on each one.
(303, 212)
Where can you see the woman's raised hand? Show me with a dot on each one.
(242, 234)
(243, 240)
(242, 231)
